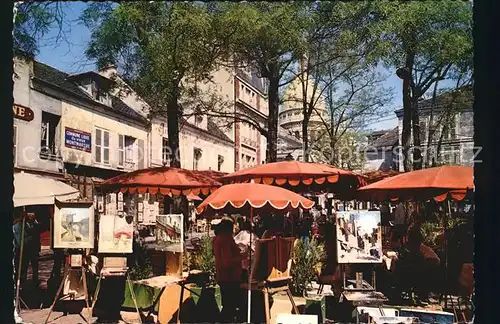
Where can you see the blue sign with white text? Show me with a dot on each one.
(78, 140)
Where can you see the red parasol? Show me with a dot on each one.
(253, 196)
(165, 180)
(300, 176)
(374, 176)
(439, 183)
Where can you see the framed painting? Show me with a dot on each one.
(73, 225)
(169, 233)
(359, 237)
(116, 234)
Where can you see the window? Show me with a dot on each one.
(50, 123)
(15, 145)
(121, 151)
(449, 130)
(165, 152)
(196, 158)
(129, 149)
(101, 151)
(220, 162)
(423, 132)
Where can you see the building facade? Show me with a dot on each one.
(380, 152)
(82, 130)
(455, 141)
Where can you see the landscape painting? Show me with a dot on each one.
(74, 225)
(169, 233)
(359, 237)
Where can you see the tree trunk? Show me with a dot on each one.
(173, 131)
(407, 115)
(415, 120)
(305, 139)
(272, 120)
(430, 146)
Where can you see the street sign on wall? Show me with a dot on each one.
(78, 140)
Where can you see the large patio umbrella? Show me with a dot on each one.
(31, 189)
(439, 183)
(251, 196)
(374, 176)
(165, 180)
(451, 181)
(301, 177)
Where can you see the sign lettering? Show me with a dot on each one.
(78, 140)
(22, 112)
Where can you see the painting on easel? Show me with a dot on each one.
(359, 237)
(169, 233)
(73, 225)
(116, 234)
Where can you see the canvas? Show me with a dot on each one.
(359, 237)
(169, 233)
(116, 234)
(73, 225)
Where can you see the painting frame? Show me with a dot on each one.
(116, 234)
(163, 235)
(358, 237)
(71, 234)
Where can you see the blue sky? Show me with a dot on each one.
(68, 56)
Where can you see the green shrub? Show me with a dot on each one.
(307, 262)
(142, 267)
(202, 258)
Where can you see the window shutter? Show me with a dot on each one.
(121, 153)
(98, 145)
(140, 153)
(106, 147)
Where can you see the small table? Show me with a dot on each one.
(163, 282)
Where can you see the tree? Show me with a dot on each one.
(424, 41)
(268, 36)
(161, 48)
(353, 101)
(33, 21)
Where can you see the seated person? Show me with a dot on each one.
(418, 265)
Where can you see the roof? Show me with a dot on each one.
(61, 80)
(212, 129)
(379, 132)
(389, 139)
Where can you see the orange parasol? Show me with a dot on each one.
(439, 183)
(374, 176)
(299, 176)
(253, 196)
(165, 180)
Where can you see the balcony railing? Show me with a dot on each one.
(249, 142)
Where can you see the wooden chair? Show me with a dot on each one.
(271, 270)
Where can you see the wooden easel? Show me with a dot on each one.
(68, 269)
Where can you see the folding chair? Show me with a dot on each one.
(271, 270)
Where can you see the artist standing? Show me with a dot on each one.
(31, 250)
(228, 271)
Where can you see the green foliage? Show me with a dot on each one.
(33, 20)
(142, 267)
(307, 263)
(202, 259)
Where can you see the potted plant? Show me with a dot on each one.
(141, 269)
(205, 295)
(307, 263)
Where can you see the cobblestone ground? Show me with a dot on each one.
(39, 316)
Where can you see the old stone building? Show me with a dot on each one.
(453, 132)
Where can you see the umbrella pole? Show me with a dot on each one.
(446, 242)
(19, 266)
(249, 293)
